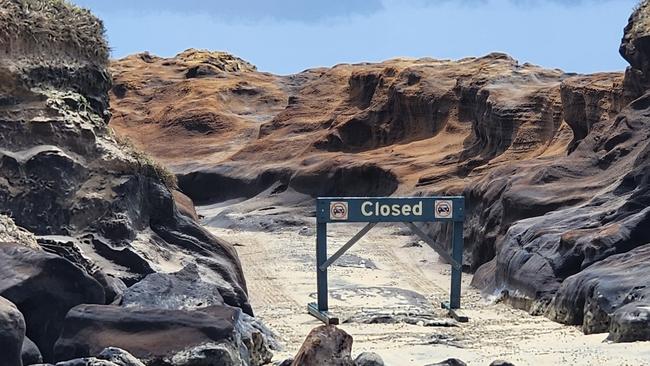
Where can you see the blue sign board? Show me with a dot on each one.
(373, 210)
(411, 209)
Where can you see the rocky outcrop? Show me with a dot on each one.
(12, 333)
(66, 178)
(90, 213)
(119, 357)
(368, 359)
(449, 362)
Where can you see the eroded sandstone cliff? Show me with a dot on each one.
(107, 209)
(553, 165)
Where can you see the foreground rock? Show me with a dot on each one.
(325, 345)
(157, 336)
(12, 333)
(187, 290)
(44, 287)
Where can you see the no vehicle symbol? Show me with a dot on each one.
(444, 209)
(338, 210)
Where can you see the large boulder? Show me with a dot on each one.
(12, 333)
(44, 287)
(325, 345)
(187, 290)
(156, 336)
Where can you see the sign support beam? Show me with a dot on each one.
(347, 246)
(373, 210)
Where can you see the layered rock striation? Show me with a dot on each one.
(86, 213)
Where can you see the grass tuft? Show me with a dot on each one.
(51, 24)
(145, 165)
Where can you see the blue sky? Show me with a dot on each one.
(288, 36)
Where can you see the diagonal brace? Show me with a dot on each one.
(440, 250)
(347, 246)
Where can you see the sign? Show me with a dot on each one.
(389, 209)
(372, 210)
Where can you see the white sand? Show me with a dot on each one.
(279, 269)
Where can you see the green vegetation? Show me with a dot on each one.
(145, 165)
(52, 24)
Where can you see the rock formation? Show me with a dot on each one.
(86, 214)
(553, 165)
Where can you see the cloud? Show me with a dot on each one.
(295, 10)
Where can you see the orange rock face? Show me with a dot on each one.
(400, 125)
(552, 165)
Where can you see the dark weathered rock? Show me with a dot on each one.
(30, 353)
(181, 290)
(119, 357)
(186, 290)
(44, 287)
(594, 294)
(607, 178)
(631, 322)
(368, 359)
(12, 333)
(325, 345)
(163, 337)
(449, 362)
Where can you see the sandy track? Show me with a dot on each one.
(279, 268)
